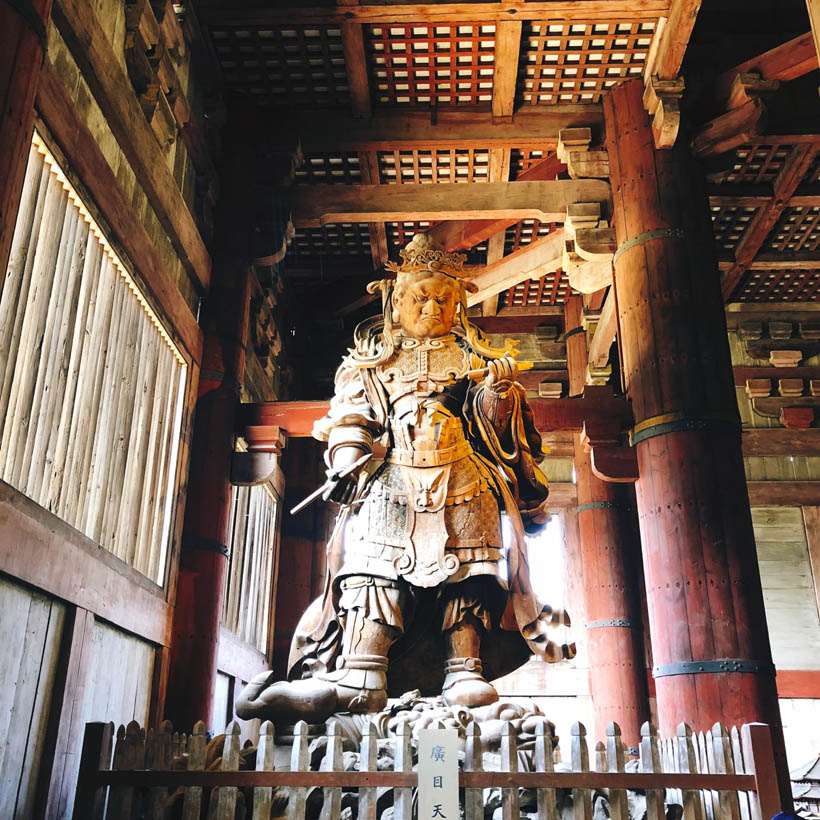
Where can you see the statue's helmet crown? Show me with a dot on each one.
(423, 255)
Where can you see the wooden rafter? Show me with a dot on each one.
(674, 38)
(790, 176)
(318, 205)
(356, 66)
(604, 333)
(813, 7)
(785, 62)
(530, 262)
(258, 13)
(505, 70)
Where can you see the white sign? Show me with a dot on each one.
(438, 774)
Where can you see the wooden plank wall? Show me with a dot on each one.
(31, 627)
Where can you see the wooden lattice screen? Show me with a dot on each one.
(91, 385)
(249, 583)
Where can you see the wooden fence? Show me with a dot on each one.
(719, 775)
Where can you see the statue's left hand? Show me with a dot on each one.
(501, 375)
(340, 490)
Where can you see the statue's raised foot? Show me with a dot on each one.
(359, 685)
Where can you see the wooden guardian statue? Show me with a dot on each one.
(421, 592)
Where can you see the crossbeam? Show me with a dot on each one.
(534, 127)
(313, 206)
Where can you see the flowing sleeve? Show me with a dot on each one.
(502, 428)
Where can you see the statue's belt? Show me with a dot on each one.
(429, 458)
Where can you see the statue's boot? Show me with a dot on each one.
(360, 677)
(464, 685)
(284, 701)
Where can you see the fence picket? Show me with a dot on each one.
(759, 754)
(332, 762)
(581, 798)
(546, 806)
(473, 798)
(224, 797)
(687, 763)
(192, 798)
(616, 757)
(299, 762)
(650, 762)
(740, 768)
(600, 757)
(367, 763)
(509, 763)
(724, 764)
(263, 795)
(160, 761)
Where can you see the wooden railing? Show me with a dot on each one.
(719, 775)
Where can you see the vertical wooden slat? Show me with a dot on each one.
(121, 798)
(299, 762)
(616, 758)
(545, 798)
(650, 762)
(225, 796)
(367, 763)
(581, 798)
(473, 798)
(332, 762)
(265, 763)
(192, 800)
(687, 763)
(740, 768)
(160, 761)
(509, 763)
(96, 756)
(759, 754)
(724, 764)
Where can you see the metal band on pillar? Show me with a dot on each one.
(602, 505)
(647, 236)
(683, 421)
(714, 667)
(193, 542)
(623, 623)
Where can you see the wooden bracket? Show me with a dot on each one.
(573, 151)
(251, 468)
(610, 457)
(661, 98)
(588, 251)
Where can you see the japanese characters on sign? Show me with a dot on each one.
(438, 774)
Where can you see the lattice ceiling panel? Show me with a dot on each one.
(521, 159)
(340, 240)
(550, 289)
(779, 286)
(329, 168)
(524, 232)
(576, 62)
(435, 165)
(424, 64)
(797, 229)
(758, 162)
(730, 223)
(294, 65)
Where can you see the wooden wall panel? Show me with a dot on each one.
(31, 627)
(791, 607)
(117, 687)
(801, 726)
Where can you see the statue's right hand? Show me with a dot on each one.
(340, 490)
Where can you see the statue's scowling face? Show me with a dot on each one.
(425, 306)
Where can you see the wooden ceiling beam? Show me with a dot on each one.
(534, 127)
(793, 260)
(505, 69)
(790, 176)
(465, 234)
(313, 206)
(257, 13)
(675, 38)
(604, 334)
(529, 262)
(499, 171)
(356, 66)
(813, 8)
